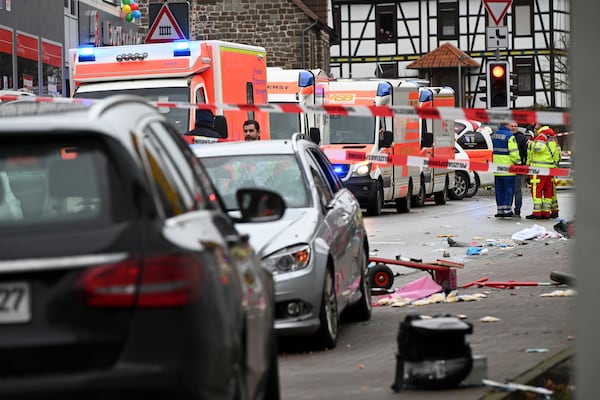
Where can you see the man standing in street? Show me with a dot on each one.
(505, 153)
(521, 139)
(543, 152)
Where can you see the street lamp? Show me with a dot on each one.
(460, 58)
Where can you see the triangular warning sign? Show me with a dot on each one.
(165, 28)
(497, 9)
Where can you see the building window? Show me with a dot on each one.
(337, 19)
(522, 18)
(524, 69)
(385, 22)
(386, 70)
(447, 19)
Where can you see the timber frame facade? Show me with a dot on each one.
(383, 38)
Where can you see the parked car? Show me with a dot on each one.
(7, 95)
(318, 251)
(566, 161)
(121, 275)
(465, 184)
(475, 139)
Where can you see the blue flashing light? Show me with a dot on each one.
(86, 53)
(306, 79)
(384, 89)
(182, 48)
(425, 95)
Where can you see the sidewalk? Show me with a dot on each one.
(533, 333)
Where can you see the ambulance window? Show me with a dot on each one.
(250, 98)
(200, 96)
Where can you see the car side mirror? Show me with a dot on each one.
(260, 205)
(386, 140)
(315, 134)
(220, 124)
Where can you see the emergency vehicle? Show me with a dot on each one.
(295, 86)
(197, 72)
(375, 184)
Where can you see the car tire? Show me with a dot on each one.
(472, 191)
(404, 204)
(376, 204)
(361, 311)
(329, 318)
(381, 276)
(441, 197)
(418, 200)
(461, 185)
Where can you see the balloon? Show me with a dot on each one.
(123, 15)
(129, 17)
(125, 1)
(137, 14)
(134, 6)
(126, 9)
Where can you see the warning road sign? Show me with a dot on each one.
(497, 9)
(165, 28)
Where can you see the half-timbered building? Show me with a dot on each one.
(449, 42)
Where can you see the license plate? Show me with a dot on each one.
(15, 302)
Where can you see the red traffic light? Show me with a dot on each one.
(498, 71)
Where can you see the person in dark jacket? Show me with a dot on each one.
(204, 125)
(521, 139)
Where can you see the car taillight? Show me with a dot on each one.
(154, 281)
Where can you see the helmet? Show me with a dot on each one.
(546, 130)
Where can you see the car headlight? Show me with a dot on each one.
(288, 260)
(361, 169)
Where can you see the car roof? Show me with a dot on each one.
(274, 146)
(115, 116)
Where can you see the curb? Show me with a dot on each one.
(529, 377)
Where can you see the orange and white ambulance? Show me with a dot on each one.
(197, 72)
(374, 184)
(295, 86)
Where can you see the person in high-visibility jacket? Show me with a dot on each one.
(543, 152)
(505, 153)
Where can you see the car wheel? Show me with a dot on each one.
(419, 199)
(361, 311)
(404, 204)
(328, 316)
(376, 204)
(381, 276)
(472, 191)
(441, 197)
(461, 184)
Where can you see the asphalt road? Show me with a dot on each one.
(532, 333)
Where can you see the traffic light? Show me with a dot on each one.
(498, 84)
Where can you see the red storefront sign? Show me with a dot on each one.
(51, 54)
(6, 41)
(27, 47)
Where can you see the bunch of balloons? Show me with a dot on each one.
(130, 10)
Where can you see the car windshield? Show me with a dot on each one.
(283, 125)
(53, 182)
(280, 173)
(180, 117)
(349, 129)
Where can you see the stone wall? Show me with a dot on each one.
(279, 26)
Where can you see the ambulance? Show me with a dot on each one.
(299, 87)
(196, 72)
(376, 185)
